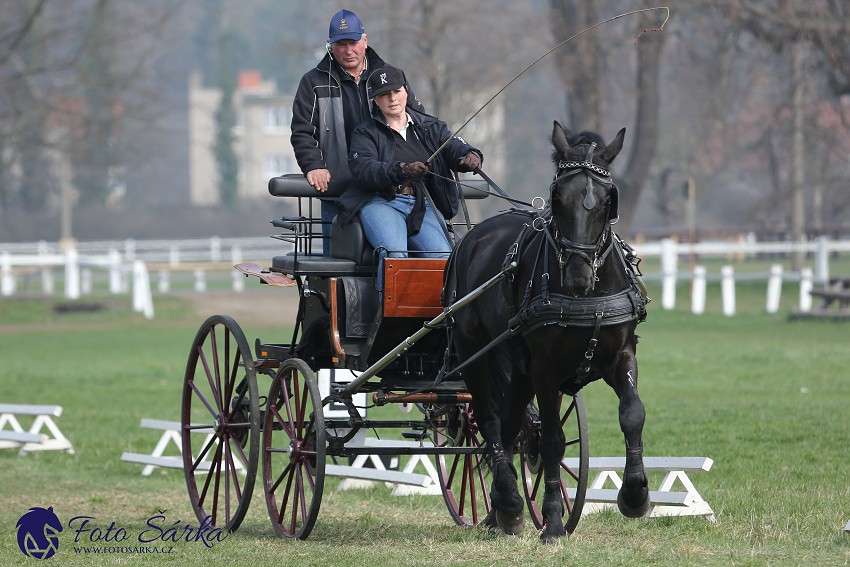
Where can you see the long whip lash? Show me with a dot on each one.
(617, 17)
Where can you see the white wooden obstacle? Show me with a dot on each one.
(406, 481)
(847, 527)
(170, 434)
(13, 435)
(666, 501)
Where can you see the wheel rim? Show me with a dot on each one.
(220, 399)
(294, 446)
(573, 481)
(464, 478)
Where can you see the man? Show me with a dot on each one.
(330, 101)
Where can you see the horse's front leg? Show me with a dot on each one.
(551, 447)
(633, 498)
(507, 506)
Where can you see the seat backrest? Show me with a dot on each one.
(349, 243)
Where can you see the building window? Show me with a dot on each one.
(278, 118)
(278, 164)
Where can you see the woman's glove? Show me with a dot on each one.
(470, 162)
(414, 170)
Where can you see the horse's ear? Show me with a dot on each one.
(613, 148)
(559, 139)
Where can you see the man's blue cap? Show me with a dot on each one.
(345, 25)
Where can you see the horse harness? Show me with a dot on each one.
(549, 308)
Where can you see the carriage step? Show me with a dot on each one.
(418, 435)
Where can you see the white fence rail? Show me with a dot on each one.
(128, 266)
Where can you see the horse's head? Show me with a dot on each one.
(583, 201)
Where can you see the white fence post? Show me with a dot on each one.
(116, 272)
(822, 260)
(46, 271)
(774, 288)
(142, 299)
(72, 274)
(237, 277)
(669, 266)
(727, 285)
(698, 291)
(7, 280)
(805, 290)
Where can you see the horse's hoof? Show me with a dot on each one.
(510, 524)
(553, 538)
(633, 511)
(550, 535)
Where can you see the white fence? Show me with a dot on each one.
(128, 266)
(669, 253)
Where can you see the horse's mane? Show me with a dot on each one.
(579, 146)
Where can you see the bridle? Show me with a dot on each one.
(597, 252)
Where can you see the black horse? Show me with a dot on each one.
(564, 315)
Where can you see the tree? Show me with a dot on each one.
(821, 26)
(583, 67)
(71, 82)
(225, 120)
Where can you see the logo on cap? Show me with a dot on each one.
(383, 78)
(342, 25)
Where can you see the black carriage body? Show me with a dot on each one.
(342, 322)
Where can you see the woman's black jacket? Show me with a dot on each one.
(371, 159)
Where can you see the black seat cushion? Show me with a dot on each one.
(314, 265)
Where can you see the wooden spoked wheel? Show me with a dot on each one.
(573, 479)
(294, 445)
(464, 478)
(220, 423)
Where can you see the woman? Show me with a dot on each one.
(400, 206)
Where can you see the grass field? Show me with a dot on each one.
(766, 398)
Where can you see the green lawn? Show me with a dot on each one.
(766, 398)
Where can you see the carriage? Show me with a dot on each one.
(352, 346)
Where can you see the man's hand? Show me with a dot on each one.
(319, 179)
(414, 170)
(470, 162)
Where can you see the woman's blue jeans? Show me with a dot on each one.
(385, 226)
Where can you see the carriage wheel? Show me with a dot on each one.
(294, 446)
(220, 399)
(464, 478)
(573, 479)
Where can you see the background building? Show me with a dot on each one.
(261, 137)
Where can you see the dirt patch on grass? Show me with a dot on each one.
(264, 307)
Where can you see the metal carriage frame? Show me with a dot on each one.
(385, 340)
